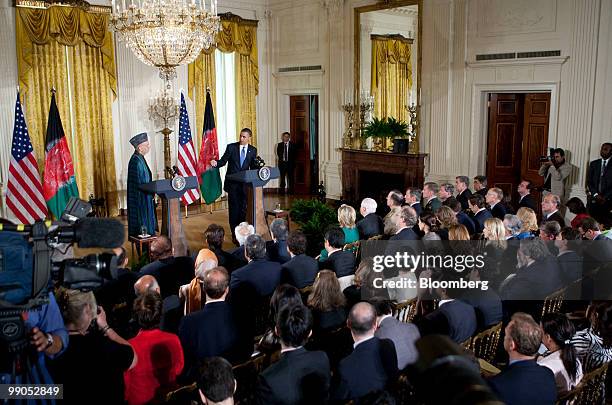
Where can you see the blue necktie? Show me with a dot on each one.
(242, 155)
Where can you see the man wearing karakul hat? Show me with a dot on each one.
(141, 210)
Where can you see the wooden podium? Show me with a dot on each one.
(172, 226)
(255, 202)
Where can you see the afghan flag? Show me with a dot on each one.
(59, 183)
(210, 179)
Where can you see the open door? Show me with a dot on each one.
(304, 124)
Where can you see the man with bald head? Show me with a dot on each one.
(170, 271)
(171, 305)
(373, 362)
(210, 331)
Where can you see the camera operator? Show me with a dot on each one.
(555, 170)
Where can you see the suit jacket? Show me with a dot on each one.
(533, 282)
(570, 266)
(464, 197)
(299, 377)
(291, 153)
(528, 202)
(595, 176)
(405, 234)
(433, 204)
(482, 192)
(228, 260)
(418, 208)
(368, 368)
(403, 335)
(208, 332)
(557, 177)
(555, 217)
(277, 251)
(487, 304)
(341, 262)
(370, 225)
(238, 253)
(524, 383)
(231, 157)
(455, 319)
(170, 273)
(260, 274)
(499, 210)
(480, 218)
(465, 220)
(300, 271)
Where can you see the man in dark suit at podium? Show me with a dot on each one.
(285, 153)
(239, 156)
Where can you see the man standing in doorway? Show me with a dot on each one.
(285, 153)
(239, 156)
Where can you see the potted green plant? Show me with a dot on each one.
(377, 129)
(313, 217)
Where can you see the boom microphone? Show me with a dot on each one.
(99, 232)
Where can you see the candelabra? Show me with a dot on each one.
(349, 133)
(164, 109)
(366, 107)
(414, 125)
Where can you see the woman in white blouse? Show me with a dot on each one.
(560, 357)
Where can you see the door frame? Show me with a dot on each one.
(480, 119)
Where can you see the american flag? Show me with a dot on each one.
(24, 190)
(186, 154)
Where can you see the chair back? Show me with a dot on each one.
(591, 390)
(246, 375)
(405, 311)
(183, 395)
(484, 345)
(353, 247)
(376, 237)
(553, 302)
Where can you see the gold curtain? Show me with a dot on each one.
(202, 72)
(240, 36)
(391, 75)
(50, 43)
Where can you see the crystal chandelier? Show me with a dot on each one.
(166, 33)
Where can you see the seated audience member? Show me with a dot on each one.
(494, 198)
(524, 192)
(302, 269)
(430, 197)
(529, 228)
(458, 232)
(549, 230)
(512, 225)
(242, 231)
(446, 191)
(260, 274)
(570, 262)
(342, 262)
(560, 356)
(524, 381)
(481, 214)
(299, 376)
(373, 362)
(216, 382)
(397, 288)
(170, 272)
(212, 330)
(215, 235)
(462, 184)
(486, 303)
(371, 224)
(99, 345)
(160, 355)
(395, 199)
(327, 303)
(428, 223)
(453, 318)
(446, 218)
(537, 275)
(363, 288)
(550, 209)
(594, 344)
(402, 334)
(192, 293)
(171, 306)
(346, 219)
(284, 295)
(576, 207)
(495, 249)
(480, 186)
(205, 255)
(463, 218)
(276, 248)
(413, 199)
(405, 219)
(589, 229)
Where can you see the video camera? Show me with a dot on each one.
(551, 152)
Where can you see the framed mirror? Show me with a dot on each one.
(387, 66)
